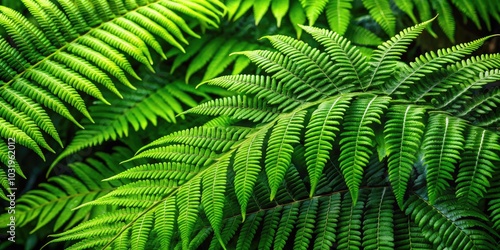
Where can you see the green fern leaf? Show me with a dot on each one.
(279, 8)
(349, 227)
(338, 13)
(138, 109)
(280, 148)
(271, 221)
(164, 217)
(442, 81)
(355, 145)
(228, 232)
(378, 220)
(457, 228)
(468, 8)
(54, 201)
(407, 8)
(248, 230)
(284, 70)
(317, 64)
(384, 59)
(263, 87)
(320, 135)
(72, 45)
(247, 167)
(217, 138)
(408, 235)
(212, 199)
(381, 11)
(445, 18)
(477, 165)
(286, 224)
(430, 62)
(238, 107)
(305, 224)
(313, 9)
(494, 203)
(260, 8)
(188, 200)
(443, 141)
(403, 132)
(327, 221)
(351, 63)
(141, 230)
(362, 36)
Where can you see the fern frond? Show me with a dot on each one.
(305, 224)
(349, 228)
(247, 167)
(248, 230)
(458, 228)
(351, 63)
(408, 235)
(355, 145)
(138, 109)
(445, 18)
(188, 200)
(212, 197)
(478, 164)
(72, 46)
(316, 64)
(407, 8)
(328, 217)
(165, 222)
(141, 231)
(321, 132)
(380, 10)
(494, 203)
(238, 107)
(442, 148)
(280, 148)
(384, 59)
(403, 132)
(214, 138)
(378, 232)
(55, 200)
(285, 70)
(313, 9)
(263, 87)
(338, 13)
(453, 75)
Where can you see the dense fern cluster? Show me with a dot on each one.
(328, 148)
(343, 16)
(72, 49)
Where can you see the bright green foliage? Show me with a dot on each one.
(75, 46)
(444, 141)
(341, 14)
(479, 161)
(284, 136)
(55, 200)
(317, 156)
(315, 150)
(320, 135)
(403, 132)
(450, 223)
(356, 144)
(138, 108)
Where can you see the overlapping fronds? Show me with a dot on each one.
(52, 203)
(340, 14)
(325, 169)
(76, 46)
(137, 110)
